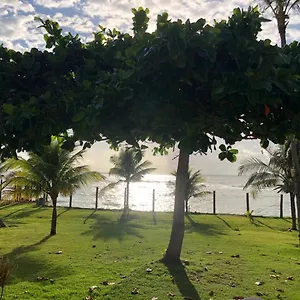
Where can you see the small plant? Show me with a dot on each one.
(249, 215)
(5, 271)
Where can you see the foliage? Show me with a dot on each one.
(195, 185)
(276, 173)
(128, 249)
(186, 82)
(54, 171)
(128, 166)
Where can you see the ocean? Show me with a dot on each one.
(230, 196)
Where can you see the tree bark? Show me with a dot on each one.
(297, 180)
(293, 211)
(173, 252)
(54, 216)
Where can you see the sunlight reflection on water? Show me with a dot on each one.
(230, 196)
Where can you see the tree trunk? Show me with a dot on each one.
(174, 249)
(54, 216)
(297, 180)
(293, 211)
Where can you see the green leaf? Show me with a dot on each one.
(234, 151)
(231, 157)
(8, 108)
(264, 143)
(222, 155)
(119, 54)
(86, 84)
(222, 148)
(78, 117)
(147, 11)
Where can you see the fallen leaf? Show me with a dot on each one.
(134, 291)
(154, 298)
(148, 270)
(259, 283)
(92, 288)
(171, 294)
(275, 276)
(235, 256)
(208, 252)
(290, 278)
(58, 252)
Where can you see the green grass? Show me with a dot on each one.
(98, 248)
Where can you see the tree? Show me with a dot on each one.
(184, 84)
(275, 174)
(54, 171)
(281, 10)
(194, 187)
(129, 166)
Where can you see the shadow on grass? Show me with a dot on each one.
(22, 213)
(28, 268)
(63, 212)
(89, 216)
(259, 223)
(225, 222)
(181, 279)
(207, 229)
(106, 229)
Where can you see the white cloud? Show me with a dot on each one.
(56, 3)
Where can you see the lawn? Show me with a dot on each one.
(224, 256)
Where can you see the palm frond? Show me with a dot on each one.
(111, 185)
(253, 165)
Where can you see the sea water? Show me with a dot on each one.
(230, 196)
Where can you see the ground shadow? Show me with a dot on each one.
(23, 213)
(89, 216)
(63, 212)
(181, 279)
(225, 222)
(259, 223)
(28, 268)
(201, 228)
(106, 229)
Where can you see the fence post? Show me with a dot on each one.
(1, 187)
(214, 202)
(70, 201)
(153, 207)
(153, 201)
(281, 206)
(97, 192)
(247, 202)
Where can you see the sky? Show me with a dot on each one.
(19, 31)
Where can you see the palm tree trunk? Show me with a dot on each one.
(174, 249)
(54, 216)
(297, 180)
(293, 211)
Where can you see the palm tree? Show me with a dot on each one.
(281, 10)
(54, 171)
(128, 166)
(194, 186)
(276, 174)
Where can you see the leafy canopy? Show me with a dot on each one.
(187, 82)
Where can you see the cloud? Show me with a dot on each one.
(57, 3)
